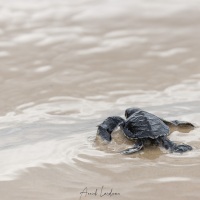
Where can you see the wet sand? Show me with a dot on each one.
(65, 66)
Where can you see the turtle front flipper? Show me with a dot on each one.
(137, 147)
(178, 123)
(173, 147)
(107, 127)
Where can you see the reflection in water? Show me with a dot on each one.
(66, 65)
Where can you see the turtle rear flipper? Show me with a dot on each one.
(182, 123)
(182, 148)
(107, 127)
(137, 147)
(178, 123)
(173, 147)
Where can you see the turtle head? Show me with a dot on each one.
(130, 111)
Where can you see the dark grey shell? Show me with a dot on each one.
(142, 124)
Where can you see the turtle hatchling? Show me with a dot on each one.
(143, 126)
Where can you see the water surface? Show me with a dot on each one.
(66, 66)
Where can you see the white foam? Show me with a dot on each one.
(172, 179)
(168, 53)
(43, 69)
(4, 53)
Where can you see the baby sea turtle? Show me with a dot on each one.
(143, 126)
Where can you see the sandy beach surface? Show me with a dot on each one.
(67, 65)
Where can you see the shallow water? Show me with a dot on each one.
(66, 66)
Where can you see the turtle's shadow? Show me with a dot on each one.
(119, 142)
